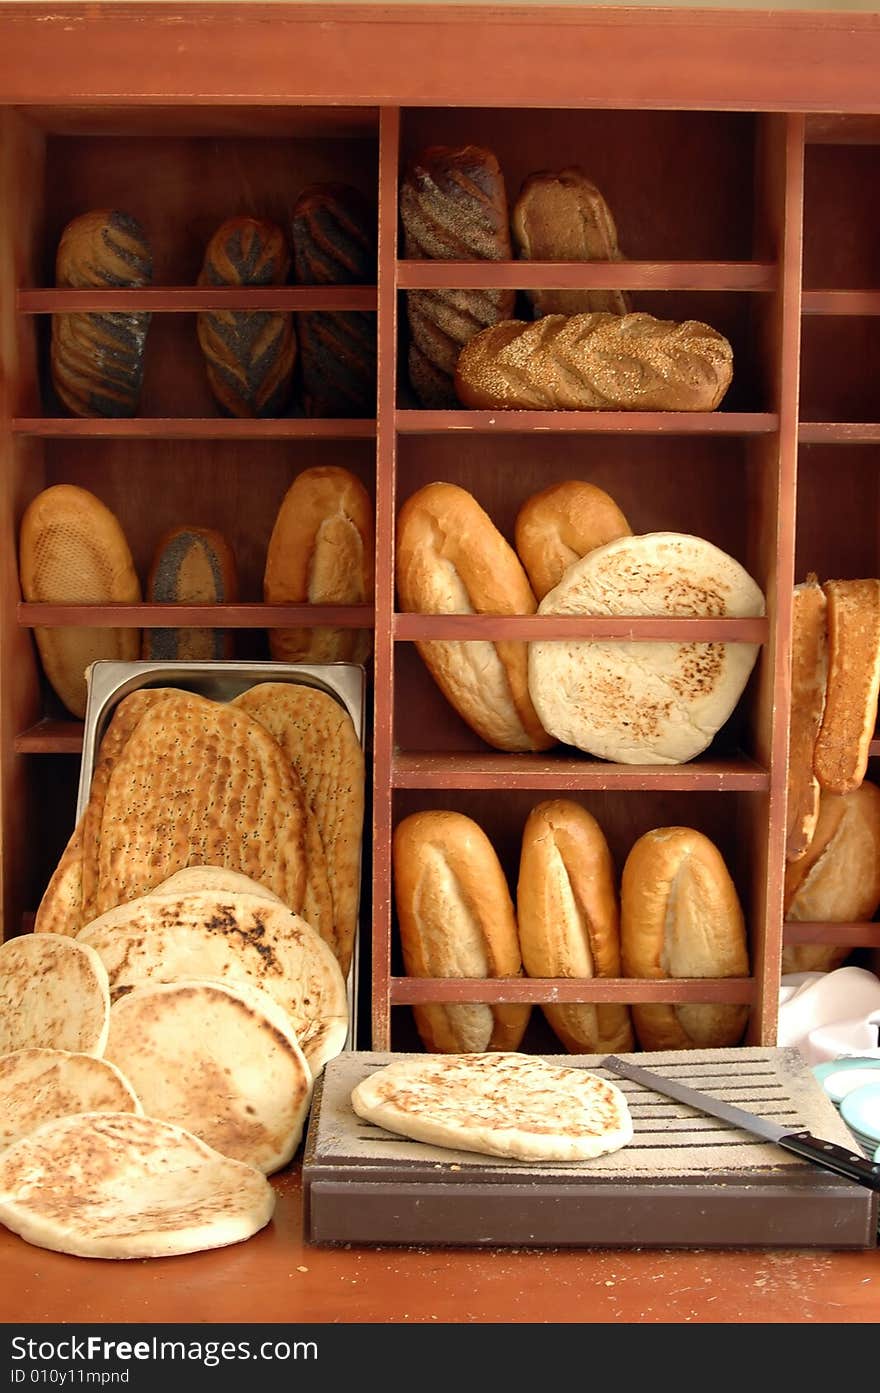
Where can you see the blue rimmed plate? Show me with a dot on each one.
(840, 1077)
(860, 1111)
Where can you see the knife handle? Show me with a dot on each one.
(833, 1157)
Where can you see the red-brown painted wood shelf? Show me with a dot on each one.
(566, 773)
(840, 302)
(50, 737)
(562, 275)
(852, 935)
(414, 422)
(156, 616)
(195, 428)
(492, 627)
(839, 433)
(185, 299)
(409, 990)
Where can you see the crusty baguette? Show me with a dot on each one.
(453, 206)
(680, 917)
(451, 559)
(191, 566)
(563, 217)
(97, 360)
(595, 362)
(249, 354)
(456, 919)
(569, 920)
(809, 670)
(838, 878)
(840, 758)
(321, 552)
(561, 524)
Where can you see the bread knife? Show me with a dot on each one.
(823, 1153)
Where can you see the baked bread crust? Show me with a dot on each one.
(595, 362)
(559, 525)
(451, 559)
(809, 671)
(563, 217)
(840, 758)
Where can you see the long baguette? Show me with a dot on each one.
(809, 670)
(841, 755)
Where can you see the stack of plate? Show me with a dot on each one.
(853, 1085)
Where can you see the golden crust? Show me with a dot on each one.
(561, 524)
(809, 664)
(563, 217)
(840, 758)
(681, 917)
(452, 559)
(456, 919)
(569, 921)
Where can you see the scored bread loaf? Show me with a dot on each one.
(191, 566)
(73, 551)
(453, 205)
(456, 919)
(563, 217)
(333, 235)
(97, 360)
(595, 362)
(249, 354)
(561, 524)
(840, 758)
(838, 878)
(569, 920)
(680, 917)
(809, 671)
(321, 552)
(451, 559)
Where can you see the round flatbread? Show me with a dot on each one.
(229, 938)
(115, 1185)
(219, 1060)
(511, 1105)
(193, 879)
(644, 703)
(37, 1086)
(54, 995)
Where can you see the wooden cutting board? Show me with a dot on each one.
(685, 1180)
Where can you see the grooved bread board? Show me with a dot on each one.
(685, 1180)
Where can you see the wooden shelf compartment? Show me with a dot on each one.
(195, 299)
(50, 737)
(568, 772)
(219, 428)
(839, 433)
(168, 616)
(840, 302)
(407, 991)
(853, 935)
(494, 627)
(598, 275)
(712, 423)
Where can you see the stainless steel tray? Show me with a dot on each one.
(109, 682)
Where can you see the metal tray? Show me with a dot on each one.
(109, 682)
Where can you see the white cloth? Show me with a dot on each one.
(828, 1015)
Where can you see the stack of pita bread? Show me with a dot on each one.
(163, 1028)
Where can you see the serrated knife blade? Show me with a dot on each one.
(829, 1154)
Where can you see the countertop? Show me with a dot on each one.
(275, 1277)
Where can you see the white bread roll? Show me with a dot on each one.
(569, 920)
(456, 919)
(840, 758)
(838, 879)
(321, 553)
(680, 917)
(451, 559)
(561, 524)
(809, 671)
(644, 703)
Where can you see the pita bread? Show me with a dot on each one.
(115, 1185)
(220, 1060)
(644, 703)
(229, 938)
(39, 1085)
(54, 995)
(512, 1105)
(199, 783)
(319, 739)
(194, 879)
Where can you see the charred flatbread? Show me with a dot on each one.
(37, 1086)
(54, 994)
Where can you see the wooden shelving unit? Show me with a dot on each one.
(731, 169)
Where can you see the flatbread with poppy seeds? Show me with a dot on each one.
(512, 1105)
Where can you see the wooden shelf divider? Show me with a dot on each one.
(839, 433)
(414, 627)
(186, 299)
(50, 737)
(567, 773)
(193, 428)
(576, 275)
(416, 422)
(708, 990)
(167, 616)
(840, 302)
(853, 935)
